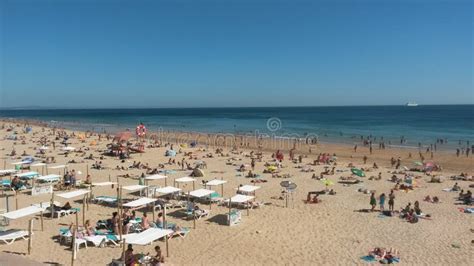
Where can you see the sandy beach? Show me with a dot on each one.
(332, 232)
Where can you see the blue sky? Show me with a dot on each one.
(186, 53)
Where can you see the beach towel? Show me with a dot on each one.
(371, 259)
(467, 210)
(368, 259)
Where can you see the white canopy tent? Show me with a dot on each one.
(28, 175)
(7, 172)
(239, 199)
(148, 236)
(20, 213)
(73, 194)
(103, 184)
(247, 189)
(167, 190)
(185, 179)
(22, 162)
(139, 202)
(42, 165)
(49, 178)
(156, 177)
(38, 164)
(216, 182)
(202, 192)
(58, 166)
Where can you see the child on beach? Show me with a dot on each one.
(382, 202)
(373, 201)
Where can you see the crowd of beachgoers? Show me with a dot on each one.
(129, 197)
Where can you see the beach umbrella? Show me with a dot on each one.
(418, 163)
(358, 172)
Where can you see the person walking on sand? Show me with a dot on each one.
(391, 201)
(365, 159)
(382, 202)
(373, 202)
(355, 148)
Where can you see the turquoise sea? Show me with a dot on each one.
(425, 124)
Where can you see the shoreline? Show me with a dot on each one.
(446, 158)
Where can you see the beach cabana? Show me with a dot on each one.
(185, 179)
(10, 236)
(155, 177)
(48, 178)
(7, 172)
(202, 193)
(61, 166)
(167, 190)
(75, 194)
(101, 184)
(42, 165)
(199, 193)
(247, 189)
(134, 188)
(146, 238)
(28, 175)
(139, 203)
(216, 182)
(240, 199)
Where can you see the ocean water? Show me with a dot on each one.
(423, 124)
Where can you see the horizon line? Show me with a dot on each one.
(212, 107)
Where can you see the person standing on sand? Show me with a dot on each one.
(373, 202)
(382, 202)
(355, 148)
(399, 162)
(391, 200)
(365, 159)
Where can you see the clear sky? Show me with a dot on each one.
(191, 53)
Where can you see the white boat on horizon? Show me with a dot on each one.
(412, 104)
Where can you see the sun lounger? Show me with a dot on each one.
(197, 214)
(61, 213)
(106, 200)
(97, 240)
(181, 232)
(10, 236)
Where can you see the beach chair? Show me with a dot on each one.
(79, 242)
(181, 232)
(61, 213)
(106, 200)
(10, 236)
(197, 214)
(97, 240)
(215, 198)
